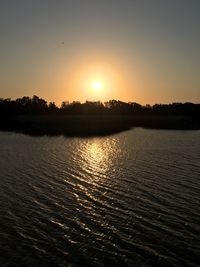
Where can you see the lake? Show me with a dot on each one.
(130, 199)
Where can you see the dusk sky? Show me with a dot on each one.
(144, 51)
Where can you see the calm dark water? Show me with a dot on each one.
(131, 199)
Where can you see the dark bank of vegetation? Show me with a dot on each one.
(35, 116)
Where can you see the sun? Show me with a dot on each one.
(97, 85)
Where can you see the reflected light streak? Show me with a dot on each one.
(97, 160)
(98, 156)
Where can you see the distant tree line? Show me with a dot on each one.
(37, 105)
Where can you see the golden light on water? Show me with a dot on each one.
(96, 161)
(98, 156)
(96, 153)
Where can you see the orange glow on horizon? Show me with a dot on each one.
(95, 80)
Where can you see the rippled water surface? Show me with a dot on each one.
(130, 199)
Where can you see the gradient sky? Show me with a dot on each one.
(145, 51)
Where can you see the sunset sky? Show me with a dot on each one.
(146, 51)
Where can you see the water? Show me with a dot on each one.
(130, 199)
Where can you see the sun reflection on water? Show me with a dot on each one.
(98, 156)
(96, 159)
(96, 153)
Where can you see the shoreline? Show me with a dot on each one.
(92, 125)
